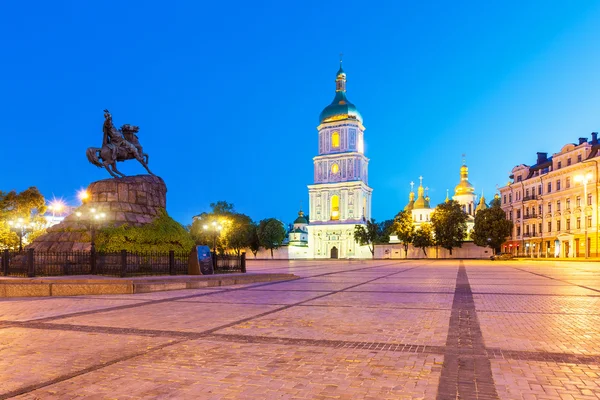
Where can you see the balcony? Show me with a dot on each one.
(529, 216)
(530, 197)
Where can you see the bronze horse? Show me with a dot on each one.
(117, 145)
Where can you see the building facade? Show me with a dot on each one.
(554, 203)
(340, 197)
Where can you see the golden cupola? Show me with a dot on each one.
(411, 199)
(464, 187)
(422, 200)
(482, 205)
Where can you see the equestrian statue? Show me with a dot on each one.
(117, 145)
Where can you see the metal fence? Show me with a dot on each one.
(30, 263)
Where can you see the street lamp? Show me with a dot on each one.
(216, 229)
(20, 228)
(93, 219)
(584, 179)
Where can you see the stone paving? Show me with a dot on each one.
(382, 329)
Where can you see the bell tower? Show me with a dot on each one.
(340, 197)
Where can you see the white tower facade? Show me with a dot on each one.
(340, 197)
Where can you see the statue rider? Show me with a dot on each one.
(114, 139)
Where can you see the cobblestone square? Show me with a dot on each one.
(381, 329)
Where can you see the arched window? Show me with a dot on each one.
(335, 169)
(335, 140)
(335, 208)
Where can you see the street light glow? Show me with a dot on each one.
(83, 195)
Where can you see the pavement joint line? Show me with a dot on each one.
(465, 358)
(89, 369)
(243, 320)
(557, 279)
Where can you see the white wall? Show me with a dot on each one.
(468, 250)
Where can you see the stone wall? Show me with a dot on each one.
(133, 200)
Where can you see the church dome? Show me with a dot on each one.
(464, 187)
(340, 108)
(301, 219)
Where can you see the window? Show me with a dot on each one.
(527, 192)
(420, 217)
(518, 214)
(568, 223)
(510, 197)
(578, 202)
(504, 199)
(578, 222)
(335, 140)
(540, 190)
(568, 161)
(568, 205)
(518, 231)
(558, 225)
(557, 205)
(510, 215)
(558, 184)
(519, 178)
(578, 157)
(540, 226)
(589, 200)
(549, 226)
(540, 211)
(589, 221)
(335, 208)
(335, 169)
(568, 182)
(549, 187)
(559, 166)
(549, 208)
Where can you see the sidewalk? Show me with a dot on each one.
(93, 284)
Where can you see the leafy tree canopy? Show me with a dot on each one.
(28, 205)
(370, 234)
(449, 225)
(491, 227)
(404, 229)
(423, 237)
(271, 233)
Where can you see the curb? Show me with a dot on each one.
(48, 287)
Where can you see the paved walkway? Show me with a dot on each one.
(384, 329)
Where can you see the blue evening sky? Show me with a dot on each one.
(227, 94)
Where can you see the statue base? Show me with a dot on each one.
(132, 200)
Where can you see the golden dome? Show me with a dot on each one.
(464, 187)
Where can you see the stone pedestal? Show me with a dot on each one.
(133, 200)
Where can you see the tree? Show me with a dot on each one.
(370, 235)
(449, 225)
(254, 240)
(423, 237)
(238, 233)
(404, 228)
(491, 227)
(29, 205)
(271, 233)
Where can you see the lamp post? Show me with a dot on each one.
(584, 179)
(93, 219)
(216, 229)
(20, 228)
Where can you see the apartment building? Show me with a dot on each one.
(554, 203)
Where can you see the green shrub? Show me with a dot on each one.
(162, 234)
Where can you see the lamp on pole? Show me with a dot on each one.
(215, 229)
(584, 179)
(92, 219)
(20, 228)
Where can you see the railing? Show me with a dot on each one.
(226, 264)
(530, 197)
(529, 216)
(30, 263)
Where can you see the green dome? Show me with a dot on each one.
(340, 109)
(301, 219)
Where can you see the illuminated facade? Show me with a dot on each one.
(554, 203)
(340, 197)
